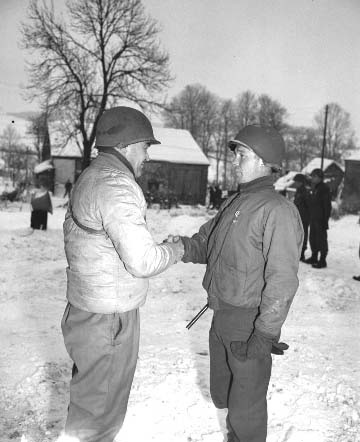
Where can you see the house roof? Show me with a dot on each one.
(285, 181)
(177, 146)
(315, 163)
(43, 167)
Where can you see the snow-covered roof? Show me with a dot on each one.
(42, 167)
(285, 181)
(315, 163)
(177, 146)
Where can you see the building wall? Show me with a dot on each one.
(351, 191)
(188, 182)
(65, 168)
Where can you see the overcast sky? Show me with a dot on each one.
(304, 53)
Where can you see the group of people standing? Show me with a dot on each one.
(314, 206)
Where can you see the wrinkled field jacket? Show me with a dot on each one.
(108, 271)
(252, 249)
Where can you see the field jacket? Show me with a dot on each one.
(108, 271)
(252, 249)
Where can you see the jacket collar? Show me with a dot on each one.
(113, 152)
(264, 182)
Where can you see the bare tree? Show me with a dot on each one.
(301, 145)
(339, 132)
(223, 131)
(194, 109)
(271, 112)
(104, 51)
(10, 144)
(246, 109)
(39, 129)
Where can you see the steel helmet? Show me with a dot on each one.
(123, 125)
(265, 141)
(299, 177)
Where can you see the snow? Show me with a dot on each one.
(314, 388)
(42, 167)
(315, 163)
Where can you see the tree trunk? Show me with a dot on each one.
(87, 156)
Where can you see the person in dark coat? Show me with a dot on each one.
(217, 196)
(211, 197)
(320, 210)
(41, 205)
(302, 202)
(68, 187)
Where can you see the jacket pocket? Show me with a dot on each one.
(116, 328)
(230, 284)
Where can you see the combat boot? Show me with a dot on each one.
(321, 263)
(312, 260)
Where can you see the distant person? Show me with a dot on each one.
(217, 196)
(41, 205)
(68, 187)
(302, 202)
(211, 197)
(111, 255)
(320, 210)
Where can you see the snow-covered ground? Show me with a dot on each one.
(314, 393)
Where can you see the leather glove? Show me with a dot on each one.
(278, 348)
(257, 347)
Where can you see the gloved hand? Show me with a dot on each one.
(172, 239)
(257, 347)
(177, 247)
(278, 348)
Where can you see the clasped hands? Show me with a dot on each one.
(177, 246)
(172, 239)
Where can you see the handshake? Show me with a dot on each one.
(177, 246)
(172, 239)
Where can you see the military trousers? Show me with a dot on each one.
(318, 239)
(104, 350)
(241, 387)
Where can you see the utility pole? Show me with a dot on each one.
(324, 137)
(26, 166)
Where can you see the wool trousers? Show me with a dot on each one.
(241, 387)
(318, 239)
(104, 350)
(38, 219)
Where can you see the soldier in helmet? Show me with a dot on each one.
(111, 255)
(251, 249)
